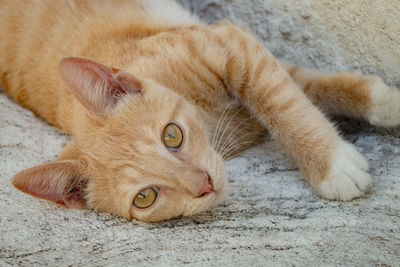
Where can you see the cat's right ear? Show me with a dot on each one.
(98, 87)
(60, 181)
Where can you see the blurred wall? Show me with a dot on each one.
(331, 35)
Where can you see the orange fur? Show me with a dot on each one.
(218, 82)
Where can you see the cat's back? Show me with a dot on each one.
(27, 26)
(34, 30)
(36, 35)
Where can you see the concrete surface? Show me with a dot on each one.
(271, 216)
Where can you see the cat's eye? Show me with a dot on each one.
(146, 198)
(173, 136)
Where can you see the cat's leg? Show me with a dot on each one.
(335, 169)
(349, 94)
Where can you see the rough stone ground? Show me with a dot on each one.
(271, 216)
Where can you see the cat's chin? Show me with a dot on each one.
(220, 189)
(220, 192)
(211, 199)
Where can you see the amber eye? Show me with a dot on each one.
(173, 136)
(145, 198)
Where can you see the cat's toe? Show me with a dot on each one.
(385, 104)
(348, 177)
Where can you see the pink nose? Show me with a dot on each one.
(207, 186)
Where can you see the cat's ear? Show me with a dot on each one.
(98, 87)
(61, 181)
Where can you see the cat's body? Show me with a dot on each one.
(137, 28)
(217, 83)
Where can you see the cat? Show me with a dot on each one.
(155, 101)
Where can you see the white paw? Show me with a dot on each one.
(348, 177)
(385, 109)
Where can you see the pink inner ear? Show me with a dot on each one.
(54, 181)
(75, 197)
(97, 86)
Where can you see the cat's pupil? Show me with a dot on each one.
(171, 133)
(144, 193)
(145, 198)
(172, 136)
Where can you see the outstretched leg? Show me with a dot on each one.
(335, 169)
(349, 94)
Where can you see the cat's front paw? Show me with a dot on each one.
(385, 104)
(348, 177)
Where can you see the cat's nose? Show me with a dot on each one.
(207, 186)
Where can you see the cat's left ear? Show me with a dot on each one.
(98, 87)
(60, 181)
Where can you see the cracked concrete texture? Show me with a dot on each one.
(271, 216)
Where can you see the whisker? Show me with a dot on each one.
(234, 133)
(227, 125)
(224, 117)
(217, 127)
(239, 140)
(232, 149)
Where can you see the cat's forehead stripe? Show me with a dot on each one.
(175, 111)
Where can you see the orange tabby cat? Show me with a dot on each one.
(155, 100)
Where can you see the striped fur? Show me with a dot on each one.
(218, 82)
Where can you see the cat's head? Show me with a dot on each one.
(142, 152)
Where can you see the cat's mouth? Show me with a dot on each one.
(207, 187)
